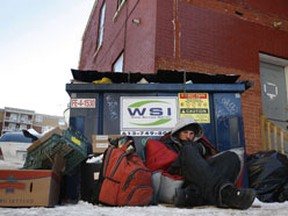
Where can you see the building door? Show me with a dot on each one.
(274, 93)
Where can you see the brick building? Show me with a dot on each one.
(248, 38)
(15, 119)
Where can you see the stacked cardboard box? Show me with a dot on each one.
(38, 183)
(101, 142)
(23, 188)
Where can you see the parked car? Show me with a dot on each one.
(13, 146)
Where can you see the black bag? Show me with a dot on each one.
(268, 175)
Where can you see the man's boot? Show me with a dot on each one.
(187, 198)
(231, 197)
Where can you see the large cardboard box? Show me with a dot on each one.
(27, 188)
(101, 142)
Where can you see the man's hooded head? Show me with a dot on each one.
(188, 124)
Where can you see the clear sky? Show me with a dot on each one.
(40, 41)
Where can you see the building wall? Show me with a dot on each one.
(120, 33)
(211, 36)
(48, 122)
(217, 37)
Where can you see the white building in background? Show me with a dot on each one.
(15, 119)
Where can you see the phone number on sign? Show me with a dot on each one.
(144, 133)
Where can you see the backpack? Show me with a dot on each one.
(124, 179)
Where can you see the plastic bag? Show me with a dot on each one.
(268, 175)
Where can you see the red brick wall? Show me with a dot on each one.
(270, 7)
(102, 61)
(165, 29)
(273, 7)
(138, 41)
(217, 37)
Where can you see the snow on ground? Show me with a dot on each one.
(86, 209)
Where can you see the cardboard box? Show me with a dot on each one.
(101, 142)
(27, 188)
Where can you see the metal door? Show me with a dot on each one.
(274, 93)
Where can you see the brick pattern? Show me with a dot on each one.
(215, 39)
(214, 36)
(120, 33)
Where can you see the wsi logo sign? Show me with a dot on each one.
(147, 112)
